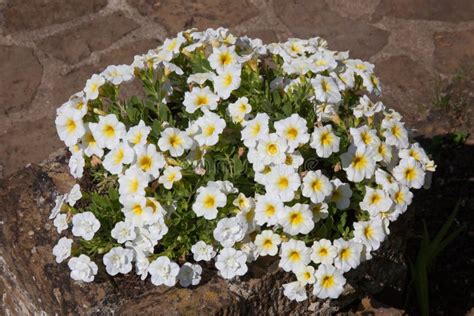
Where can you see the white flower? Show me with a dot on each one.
(85, 225)
(294, 160)
(133, 182)
(365, 137)
(158, 228)
(60, 222)
(395, 133)
(250, 250)
(255, 130)
(296, 219)
(375, 201)
(329, 282)
(324, 141)
(323, 60)
(92, 86)
(123, 231)
(207, 202)
(121, 155)
(76, 164)
(320, 211)
(243, 203)
(410, 173)
(401, 197)
(170, 176)
(143, 243)
(69, 126)
(283, 181)
(227, 81)
(163, 271)
(367, 108)
(149, 160)
(118, 74)
(229, 231)
(137, 135)
(383, 153)
(239, 109)
(359, 163)
(348, 254)
(325, 89)
(62, 250)
(341, 194)
(109, 131)
(136, 210)
(370, 233)
(200, 77)
(416, 152)
(323, 252)
(316, 186)
(200, 98)
(118, 260)
(189, 274)
(82, 268)
(305, 275)
(223, 58)
(89, 144)
(267, 208)
(272, 149)
(267, 243)
(295, 291)
(211, 126)
(141, 265)
(59, 202)
(174, 141)
(231, 263)
(294, 130)
(202, 251)
(293, 255)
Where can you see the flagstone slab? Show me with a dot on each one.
(453, 49)
(20, 15)
(74, 45)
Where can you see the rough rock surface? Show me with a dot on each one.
(31, 282)
(49, 48)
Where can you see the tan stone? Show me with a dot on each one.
(314, 18)
(74, 45)
(21, 15)
(178, 15)
(453, 49)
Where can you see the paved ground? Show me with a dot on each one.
(48, 48)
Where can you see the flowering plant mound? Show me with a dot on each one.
(233, 150)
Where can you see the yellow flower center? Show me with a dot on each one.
(70, 126)
(109, 130)
(283, 183)
(209, 130)
(202, 100)
(295, 256)
(268, 243)
(296, 218)
(345, 254)
(368, 232)
(292, 133)
(375, 199)
(145, 162)
(317, 185)
(137, 139)
(137, 209)
(134, 186)
(359, 162)
(410, 174)
(325, 85)
(225, 58)
(270, 210)
(118, 157)
(209, 201)
(272, 149)
(328, 281)
(228, 80)
(326, 138)
(175, 140)
(323, 252)
(255, 129)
